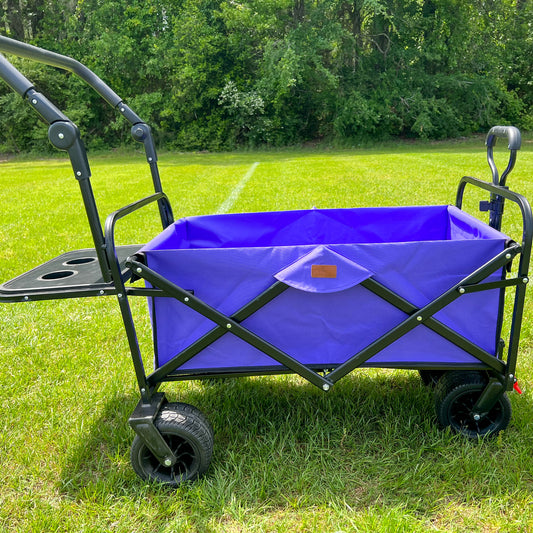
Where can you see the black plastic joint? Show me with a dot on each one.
(142, 133)
(488, 398)
(495, 205)
(64, 135)
(142, 422)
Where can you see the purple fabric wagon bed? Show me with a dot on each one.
(324, 256)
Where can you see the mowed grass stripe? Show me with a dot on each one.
(228, 203)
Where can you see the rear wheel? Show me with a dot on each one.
(189, 436)
(455, 396)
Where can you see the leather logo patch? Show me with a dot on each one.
(323, 271)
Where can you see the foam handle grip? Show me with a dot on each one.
(510, 132)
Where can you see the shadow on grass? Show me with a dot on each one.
(98, 459)
(282, 443)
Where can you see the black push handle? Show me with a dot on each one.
(140, 131)
(19, 83)
(53, 59)
(514, 143)
(512, 134)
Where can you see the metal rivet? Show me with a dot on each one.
(78, 173)
(26, 298)
(61, 135)
(461, 290)
(150, 159)
(419, 318)
(325, 387)
(34, 101)
(525, 280)
(186, 299)
(139, 270)
(228, 326)
(508, 256)
(102, 293)
(477, 417)
(168, 462)
(122, 110)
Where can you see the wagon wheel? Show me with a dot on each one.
(190, 437)
(430, 378)
(456, 394)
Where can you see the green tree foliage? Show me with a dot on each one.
(216, 74)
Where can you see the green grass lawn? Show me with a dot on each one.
(367, 456)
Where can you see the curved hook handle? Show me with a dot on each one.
(515, 141)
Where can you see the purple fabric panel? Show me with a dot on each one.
(345, 273)
(315, 226)
(315, 328)
(465, 226)
(233, 277)
(334, 330)
(326, 226)
(324, 320)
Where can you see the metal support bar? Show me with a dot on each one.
(133, 342)
(230, 324)
(114, 217)
(95, 226)
(127, 317)
(65, 135)
(46, 109)
(516, 327)
(142, 133)
(527, 238)
(435, 325)
(19, 83)
(523, 204)
(511, 282)
(146, 292)
(211, 336)
(420, 316)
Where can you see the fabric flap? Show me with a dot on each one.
(323, 270)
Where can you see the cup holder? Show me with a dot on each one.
(80, 261)
(58, 274)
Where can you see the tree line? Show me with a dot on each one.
(218, 74)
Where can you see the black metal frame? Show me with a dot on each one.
(120, 264)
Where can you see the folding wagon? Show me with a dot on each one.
(315, 292)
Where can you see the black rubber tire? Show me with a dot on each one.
(189, 435)
(456, 394)
(430, 378)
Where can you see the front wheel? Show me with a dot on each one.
(189, 436)
(455, 396)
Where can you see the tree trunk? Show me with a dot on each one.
(14, 19)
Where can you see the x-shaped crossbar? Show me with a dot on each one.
(416, 317)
